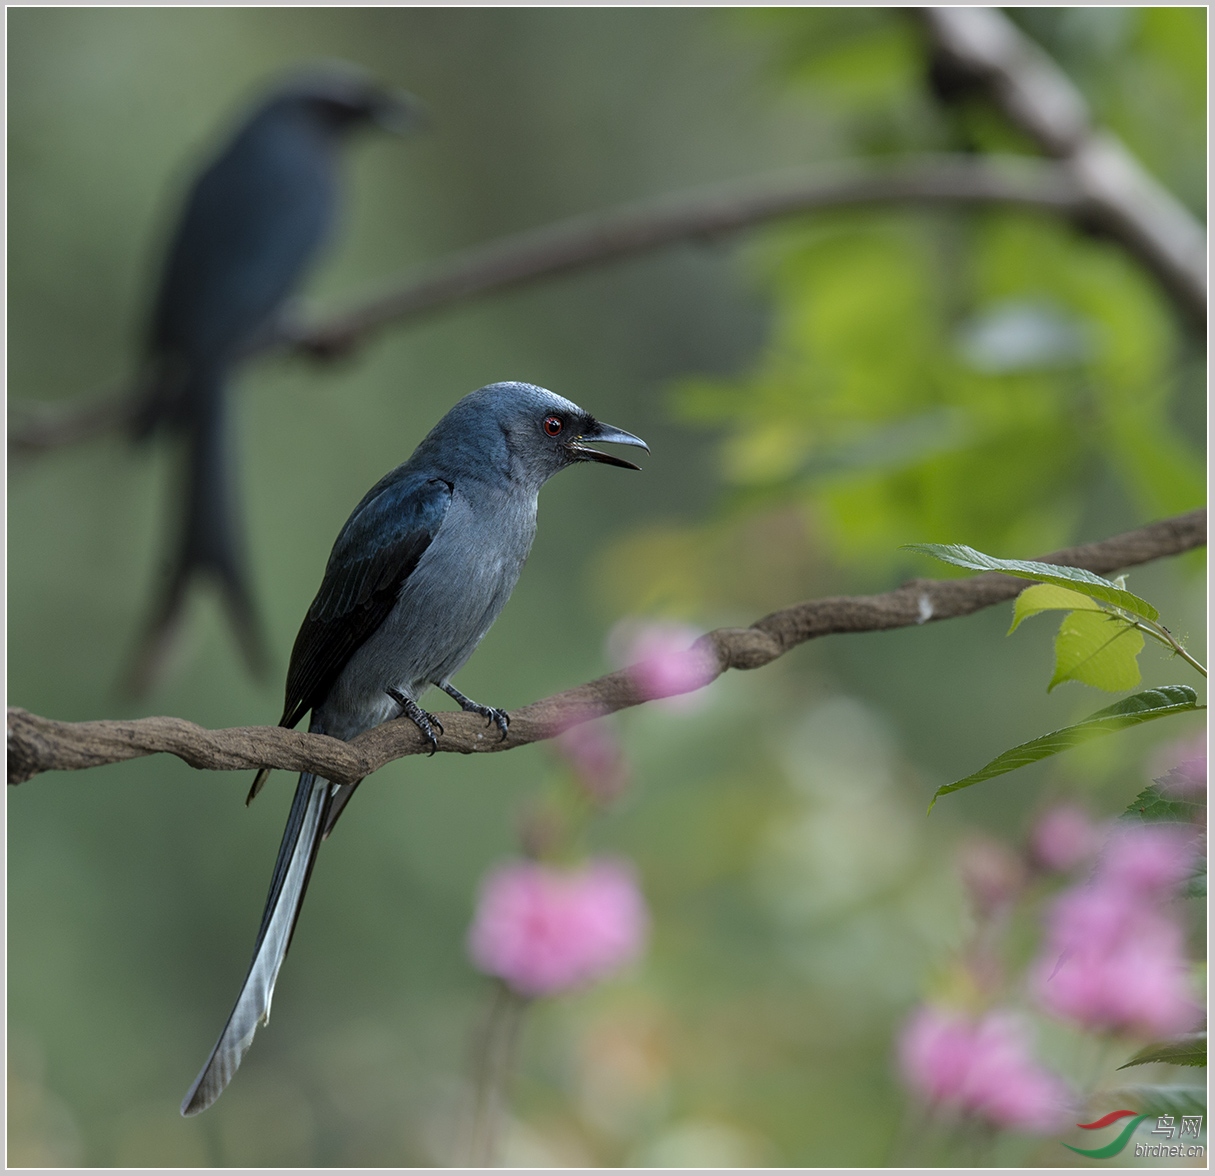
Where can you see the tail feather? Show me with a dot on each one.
(211, 539)
(288, 884)
(341, 798)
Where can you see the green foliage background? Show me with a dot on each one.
(814, 397)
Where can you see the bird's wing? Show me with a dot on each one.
(377, 550)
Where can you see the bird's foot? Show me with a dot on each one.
(423, 720)
(491, 714)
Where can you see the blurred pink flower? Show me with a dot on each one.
(1064, 837)
(1184, 767)
(660, 661)
(1117, 968)
(981, 1069)
(595, 754)
(545, 930)
(1114, 957)
(1148, 859)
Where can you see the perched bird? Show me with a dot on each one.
(253, 221)
(417, 576)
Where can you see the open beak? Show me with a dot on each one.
(400, 112)
(610, 435)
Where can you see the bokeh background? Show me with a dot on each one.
(814, 395)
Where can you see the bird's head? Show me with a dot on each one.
(533, 431)
(340, 97)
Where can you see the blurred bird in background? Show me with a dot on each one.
(253, 221)
(416, 578)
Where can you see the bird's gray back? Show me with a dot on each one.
(445, 608)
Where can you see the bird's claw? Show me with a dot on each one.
(423, 720)
(499, 718)
(491, 714)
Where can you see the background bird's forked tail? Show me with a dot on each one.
(210, 539)
(288, 884)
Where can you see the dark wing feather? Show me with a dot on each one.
(374, 554)
(376, 551)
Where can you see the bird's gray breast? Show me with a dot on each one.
(446, 606)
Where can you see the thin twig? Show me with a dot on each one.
(43, 425)
(596, 238)
(37, 744)
(493, 1065)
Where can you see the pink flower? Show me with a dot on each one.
(1131, 975)
(981, 1069)
(660, 661)
(1187, 773)
(595, 754)
(1063, 837)
(544, 930)
(1148, 859)
(1114, 957)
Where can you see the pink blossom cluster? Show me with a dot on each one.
(981, 1069)
(1114, 958)
(545, 930)
(660, 661)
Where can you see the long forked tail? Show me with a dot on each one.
(210, 539)
(296, 856)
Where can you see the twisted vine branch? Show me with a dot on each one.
(37, 744)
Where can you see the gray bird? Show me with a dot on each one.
(417, 576)
(252, 224)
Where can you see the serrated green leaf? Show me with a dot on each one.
(1154, 804)
(1041, 598)
(1188, 1050)
(1098, 649)
(1162, 1100)
(1079, 579)
(1127, 712)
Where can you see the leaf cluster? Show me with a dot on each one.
(1098, 643)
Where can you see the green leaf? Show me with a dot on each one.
(1127, 712)
(1162, 1100)
(1154, 804)
(1077, 578)
(1098, 649)
(1044, 597)
(1188, 1050)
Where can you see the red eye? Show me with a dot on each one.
(553, 425)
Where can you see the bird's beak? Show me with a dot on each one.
(611, 435)
(400, 112)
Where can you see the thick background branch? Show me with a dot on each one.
(595, 238)
(38, 745)
(1122, 198)
(1096, 179)
(705, 214)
